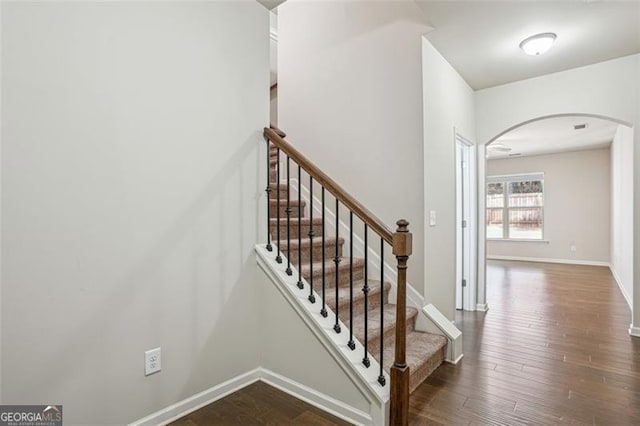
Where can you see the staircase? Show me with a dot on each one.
(345, 284)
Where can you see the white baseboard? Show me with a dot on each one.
(550, 260)
(455, 361)
(634, 331)
(199, 400)
(482, 307)
(315, 398)
(622, 290)
(293, 388)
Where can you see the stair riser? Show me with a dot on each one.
(304, 228)
(415, 380)
(282, 212)
(330, 276)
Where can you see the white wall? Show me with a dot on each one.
(622, 210)
(273, 60)
(289, 348)
(349, 97)
(448, 107)
(577, 206)
(610, 89)
(130, 190)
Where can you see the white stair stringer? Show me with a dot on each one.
(350, 361)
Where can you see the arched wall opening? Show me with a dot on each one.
(622, 212)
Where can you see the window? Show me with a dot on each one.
(515, 207)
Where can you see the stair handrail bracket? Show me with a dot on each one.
(400, 242)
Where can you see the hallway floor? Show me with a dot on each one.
(259, 404)
(552, 349)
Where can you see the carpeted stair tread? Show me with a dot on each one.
(293, 204)
(358, 298)
(283, 202)
(294, 221)
(306, 251)
(305, 226)
(282, 191)
(358, 294)
(306, 242)
(373, 320)
(425, 352)
(343, 269)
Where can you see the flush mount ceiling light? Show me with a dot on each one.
(498, 147)
(537, 44)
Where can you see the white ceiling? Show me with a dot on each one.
(480, 38)
(555, 134)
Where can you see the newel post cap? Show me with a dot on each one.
(402, 239)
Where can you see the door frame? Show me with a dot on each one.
(466, 210)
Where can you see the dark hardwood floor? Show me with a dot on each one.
(259, 404)
(552, 349)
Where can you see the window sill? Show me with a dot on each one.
(515, 240)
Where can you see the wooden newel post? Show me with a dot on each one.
(399, 408)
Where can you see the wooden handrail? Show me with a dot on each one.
(329, 184)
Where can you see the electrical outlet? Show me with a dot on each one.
(152, 361)
(573, 248)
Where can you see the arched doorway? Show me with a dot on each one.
(621, 224)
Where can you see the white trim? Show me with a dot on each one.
(448, 329)
(293, 388)
(199, 400)
(550, 260)
(273, 35)
(365, 379)
(472, 220)
(315, 398)
(446, 326)
(457, 360)
(482, 307)
(482, 219)
(622, 289)
(634, 331)
(466, 181)
(518, 240)
(516, 177)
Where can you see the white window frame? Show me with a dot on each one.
(506, 180)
